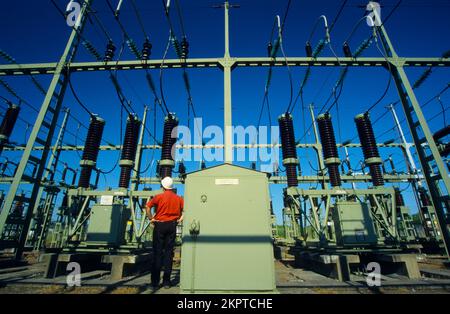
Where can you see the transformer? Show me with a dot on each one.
(107, 224)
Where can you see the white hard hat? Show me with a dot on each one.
(167, 183)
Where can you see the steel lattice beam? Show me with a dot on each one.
(49, 68)
(212, 146)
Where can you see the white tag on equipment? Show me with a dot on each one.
(227, 181)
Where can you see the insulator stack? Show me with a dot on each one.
(177, 47)
(167, 162)
(424, 198)
(347, 50)
(6, 128)
(91, 149)
(110, 51)
(184, 48)
(369, 147)
(92, 50)
(288, 147)
(329, 148)
(308, 49)
(399, 200)
(134, 49)
(129, 149)
(146, 50)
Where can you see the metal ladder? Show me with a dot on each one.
(41, 135)
(433, 167)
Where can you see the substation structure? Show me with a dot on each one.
(329, 228)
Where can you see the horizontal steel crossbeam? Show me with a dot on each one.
(49, 68)
(212, 146)
(391, 178)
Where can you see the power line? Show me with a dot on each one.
(345, 70)
(161, 89)
(444, 109)
(180, 17)
(384, 54)
(181, 52)
(77, 98)
(101, 25)
(422, 107)
(336, 18)
(11, 60)
(138, 16)
(318, 49)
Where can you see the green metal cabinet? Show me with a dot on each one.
(107, 224)
(227, 243)
(353, 224)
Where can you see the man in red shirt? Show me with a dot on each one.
(168, 213)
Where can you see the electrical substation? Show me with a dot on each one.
(335, 223)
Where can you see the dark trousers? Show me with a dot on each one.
(164, 234)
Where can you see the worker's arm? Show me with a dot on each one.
(181, 217)
(181, 212)
(148, 209)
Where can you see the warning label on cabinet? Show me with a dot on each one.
(227, 181)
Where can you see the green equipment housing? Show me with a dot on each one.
(353, 224)
(227, 234)
(107, 224)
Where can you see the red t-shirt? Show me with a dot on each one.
(168, 206)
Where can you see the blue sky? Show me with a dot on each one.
(35, 33)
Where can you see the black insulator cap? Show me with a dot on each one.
(184, 48)
(269, 49)
(347, 50)
(147, 50)
(9, 120)
(110, 51)
(181, 169)
(203, 166)
(308, 49)
(399, 197)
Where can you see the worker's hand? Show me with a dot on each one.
(180, 220)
